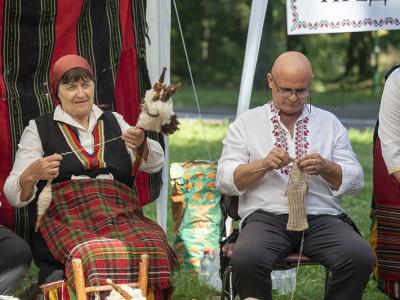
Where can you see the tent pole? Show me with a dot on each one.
(158, 16)
(256, 22)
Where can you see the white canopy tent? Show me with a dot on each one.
(158, 17)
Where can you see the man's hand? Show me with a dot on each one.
(133, 137)
(276, 159)
(397, 176)
(312, 164)
(315, 164)
(247, 174)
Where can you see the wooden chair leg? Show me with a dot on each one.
(79, 279)
(143, 271)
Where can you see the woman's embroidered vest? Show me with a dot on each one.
(113, 157)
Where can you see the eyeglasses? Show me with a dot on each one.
(287, 92)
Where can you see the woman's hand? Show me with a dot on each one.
(133, 137)
(45, 168)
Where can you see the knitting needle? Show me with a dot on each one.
(264, 168)
(257, 170)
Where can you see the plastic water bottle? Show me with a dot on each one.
(283, 281)
(277, 281)
(289, 280)
(205, 265)
(209, 268)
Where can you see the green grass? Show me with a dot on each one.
(188, 144)
(187, 286)
(225, 99)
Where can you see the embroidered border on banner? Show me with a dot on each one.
(297, 24)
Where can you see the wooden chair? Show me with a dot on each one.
(81, 290)
(229, 207)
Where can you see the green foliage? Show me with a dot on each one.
(216, 33)
(224, 100)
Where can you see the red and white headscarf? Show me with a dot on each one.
(63, 65)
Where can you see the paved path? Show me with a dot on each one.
(352, 115)
(356, 115)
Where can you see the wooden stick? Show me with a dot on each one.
(45, 287)
(104, 288)
(79, 280)
(119, 289)
(143, 271)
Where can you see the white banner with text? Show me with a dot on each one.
(330, 16)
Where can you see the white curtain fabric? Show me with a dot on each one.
(158, 52)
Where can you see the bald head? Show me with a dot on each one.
(292, 63)
(290, 83)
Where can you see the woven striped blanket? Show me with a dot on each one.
(101, 222)
(385, 229)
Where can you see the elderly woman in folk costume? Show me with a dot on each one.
(87, 154)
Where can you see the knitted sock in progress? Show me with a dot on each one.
(296, 192)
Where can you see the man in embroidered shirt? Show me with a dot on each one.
(256, 163)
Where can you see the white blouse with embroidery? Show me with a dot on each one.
(253, 135)
(389, 122)
(30, 149)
